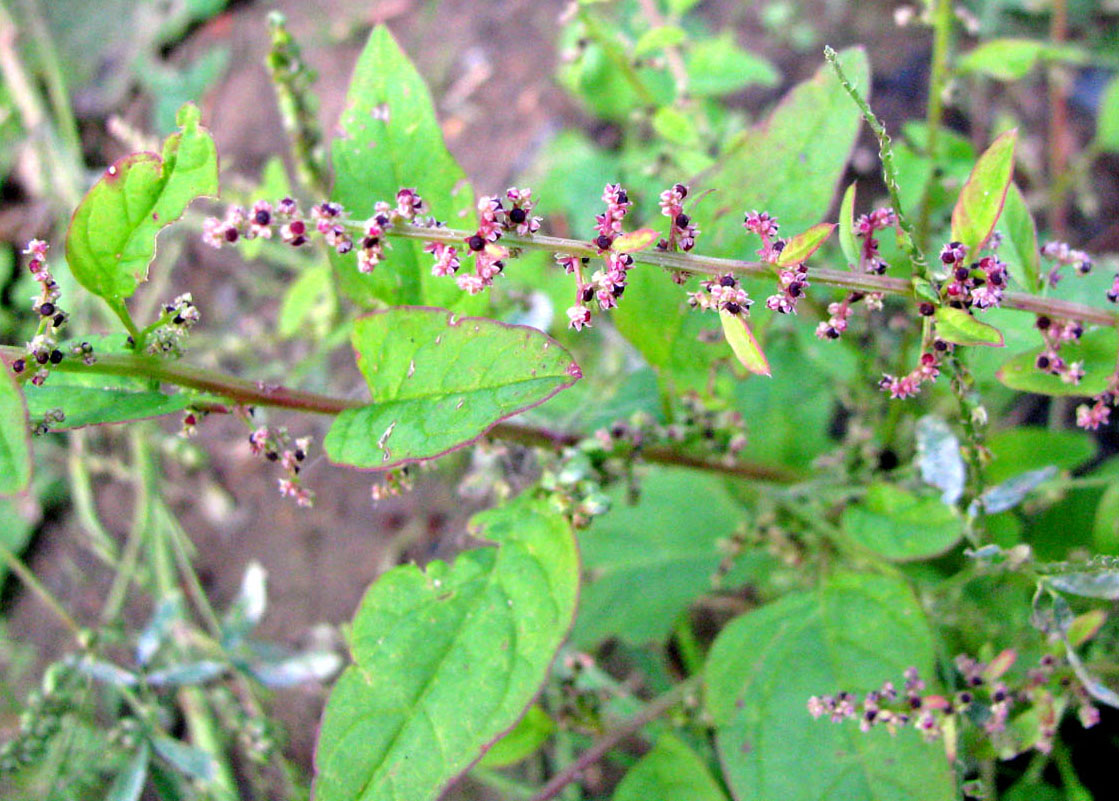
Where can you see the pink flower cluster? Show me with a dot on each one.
(909, 385)
(966, 288)
(1064, 256)
(276, 445)
(609, 223)
(838, 314)
(791, 283)
(765, 226)
(1055, 333)
(681, 230)
(870, 260)
(1098, 414)
(721, 294)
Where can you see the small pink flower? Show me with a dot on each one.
(579, 317)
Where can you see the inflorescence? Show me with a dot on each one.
(985, 697)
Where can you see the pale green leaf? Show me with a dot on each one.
(531, 732)
(1020, 249)
(1096, 350)
(658, 38)
(962, 328)
(91, 406)
(900, 525)
(439, 381)
(981, 200)
(717, 66)
(745, 346)
(670, 772)
(112, 236)
(447, 658)
(674, 126)
(847, 241)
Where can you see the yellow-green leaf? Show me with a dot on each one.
(960, 328)
(803, 245)
(744, 344)
(981, 200)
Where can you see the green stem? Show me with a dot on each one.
(25, 574)
(938, 79)
(623, 64)
(889, 169)
(651, 711)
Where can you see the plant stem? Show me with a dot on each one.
(889, 170)
(938, 78)
(1058, 140)
(710, 265)
(28, 577)
(243, 392)
(653, 710)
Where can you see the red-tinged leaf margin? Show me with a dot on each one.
(976, 212)
(573, 370)
(960, 328)
(798, 249)
(634, 240)
(15, 436)
(744, 344)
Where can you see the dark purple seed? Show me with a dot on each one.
(476, 242)
(603, 242)
(727, 280)
(682, 220)
(927, 309)
(1043, 323)
(732, 307)
(517, 216)
(18, 366)
(962, 273)
(262, 217)
(46, 309)
(231, 234)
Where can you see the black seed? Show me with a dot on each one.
(262, 217)
(927, 309)
(831, 333)
(975, 681)
(940, 345)
(59, 319)
(948, 257)
(727, 280)
(178, 320)
(682, 220)
(46, 309)
(962, 273)
(603, 242)
(622, 197)
(18, 366)
(369, 242)
(517, 216)
(299, 240)
(779, 245)
(42, 356)
(231, 234)
(915, 701)
(732, 307)
(588, 294)
(795, 289)
(618, 290)
(1042, 362)
(681, 190)
(299, 455)
(56, 356)
(272, 456)
(888, 460)
(1043, 323)
(476, 243)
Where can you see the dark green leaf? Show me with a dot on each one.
(111, 240)
(962, 328)
(1023, 256)
(391, 139)
(670, 772)
(1026, 448)
(447, 658)
(1012, 59)
(15, 446)
(902, 526)
(981, 200)
(852, 634)
(439, 381)
(798, 248)
(531, 732)
(1096, 350)
(187, 760)
(668, 541)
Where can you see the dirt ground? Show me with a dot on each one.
(491, 68)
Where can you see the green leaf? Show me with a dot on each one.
(962, 328)
(803, 245)
(1097, 584)
(717, 66)
(658, 38)
(1024, 258)
(1012, 59)
(391, 139)
(847, 241)
(112, 235)
(674, 126)
(1097, 349)
(129, 783)
(1107, 121)
(666, 540)
(439, 381)
(308, 297)
(447, 658)
(745, 346)
(982, 197)
(853, 633)
(1022, 449)
(531, 732)
(901, 526)
(789, 164)
(186, 759)
(15, 444)
(670, 772)
(92, 406)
